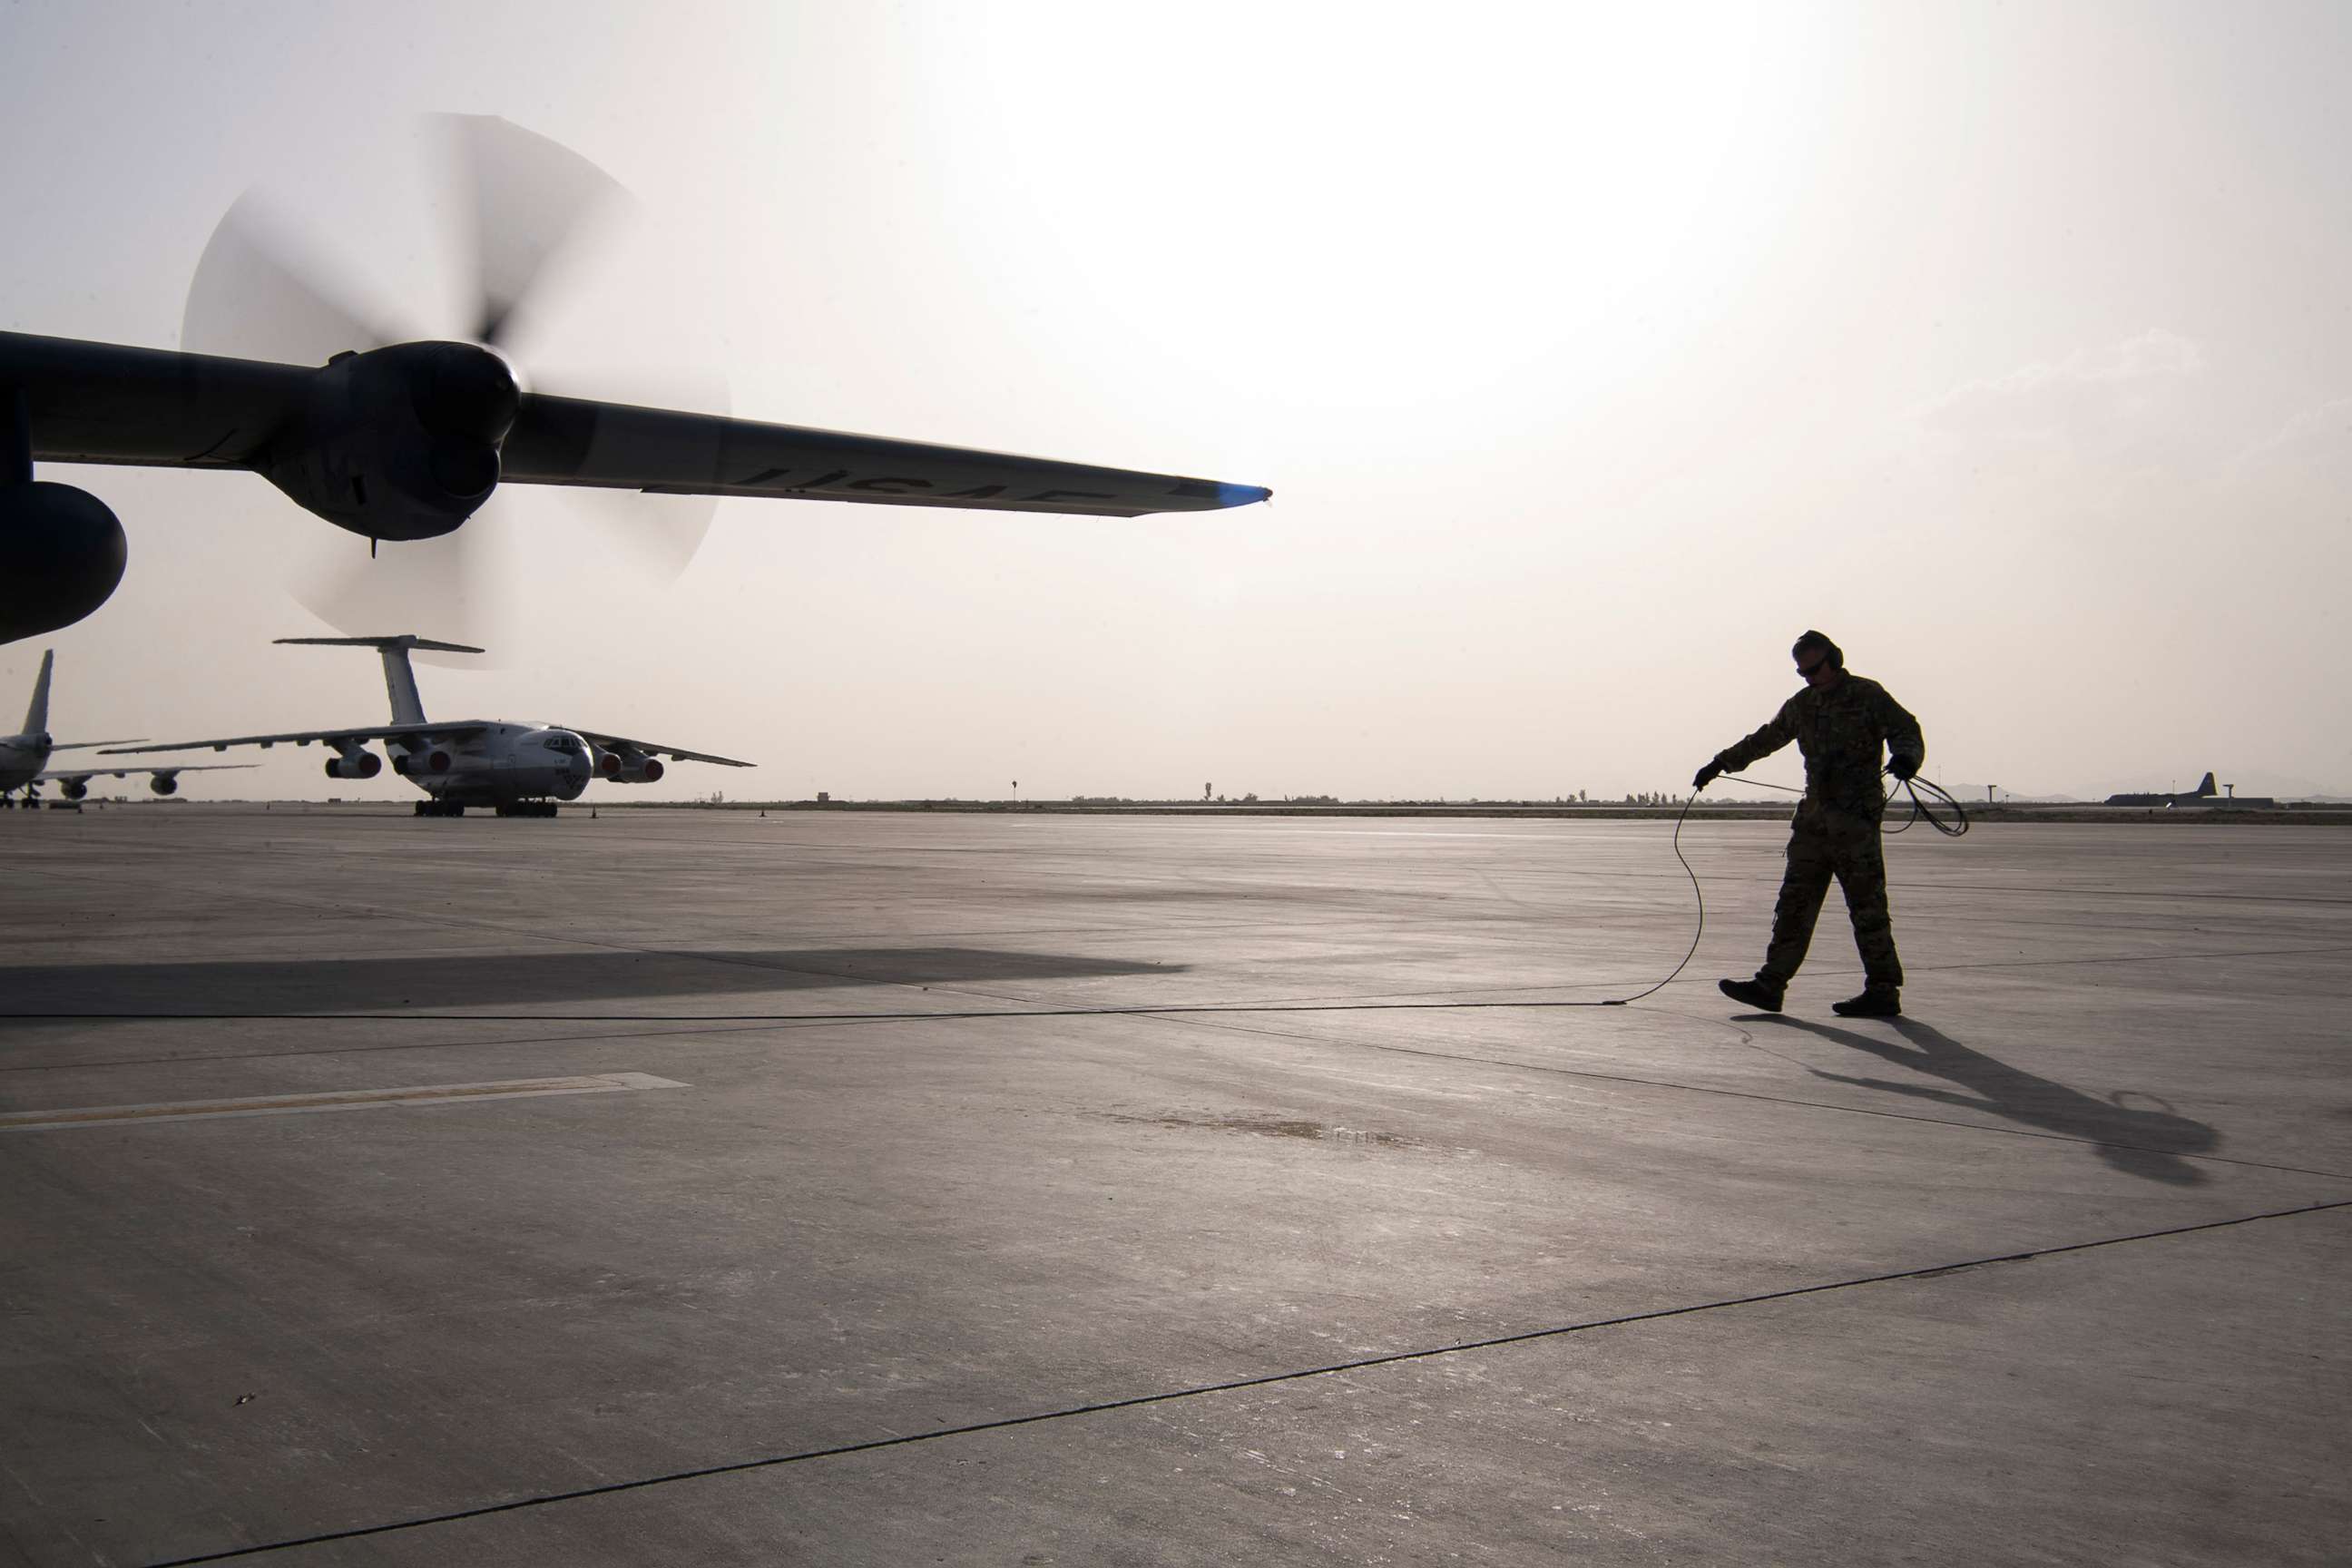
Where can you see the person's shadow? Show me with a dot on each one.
(2148, 1142)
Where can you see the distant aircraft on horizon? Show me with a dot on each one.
(2205, 794)
(2204, 791)
(24, 757)
(520, 769)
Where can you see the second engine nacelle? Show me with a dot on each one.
(164, 784)
(354, 765)
(628, 767)
(74, 789)
(61, 554)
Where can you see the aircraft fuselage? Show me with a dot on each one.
(499, 765)
(21, 758)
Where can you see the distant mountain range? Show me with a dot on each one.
(1974, 794)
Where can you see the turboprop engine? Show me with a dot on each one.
(628, 767)
(400, 442)
(164, 784)
(356, 764)
(61, 554)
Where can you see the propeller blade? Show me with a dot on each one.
(252, 298)
(656, 535)
(456, 585)
(530, 199)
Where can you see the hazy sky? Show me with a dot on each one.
(1592, 352)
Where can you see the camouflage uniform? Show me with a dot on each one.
(1839, 729)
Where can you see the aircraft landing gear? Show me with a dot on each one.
(527, 808)
(439, 808)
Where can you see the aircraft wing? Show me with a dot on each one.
(573, 441)
(109, 403)
(104, 403)
(61, 776)
(305, 737)
(622, 742)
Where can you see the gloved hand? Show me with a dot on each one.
(1904, 768)
(1706, 776)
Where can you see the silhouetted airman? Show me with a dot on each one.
(1839, 721)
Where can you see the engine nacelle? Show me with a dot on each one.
(61, 554)
(410, 766)
(628, 767)
(74, 789)
(355, 764)
(164, 784)
(399, 443)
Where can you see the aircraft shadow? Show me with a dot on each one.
(507, 980)
(2152, 1144)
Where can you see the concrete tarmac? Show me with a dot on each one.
(697, 1188)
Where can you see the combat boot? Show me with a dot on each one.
(1760, 995)
(1876, 1002)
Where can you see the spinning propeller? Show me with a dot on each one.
(522, 207)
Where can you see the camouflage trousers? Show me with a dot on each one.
(1822, 845)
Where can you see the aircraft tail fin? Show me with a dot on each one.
(36, 716)
(399, 680)
(2205, 786)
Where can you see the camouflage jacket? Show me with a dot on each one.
(1839, 729)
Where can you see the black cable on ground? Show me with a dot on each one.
(1623, 1001)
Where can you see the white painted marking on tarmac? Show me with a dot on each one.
(335, 1100)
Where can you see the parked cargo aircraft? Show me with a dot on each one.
(2204, 792)
(24, 757)
(520, 769)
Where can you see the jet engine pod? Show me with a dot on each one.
(61, 554)
(164, 784)
(74, 789)
(354, 763)
(628, 767)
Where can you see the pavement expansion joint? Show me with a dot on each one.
(335, 1100)
(1394, 1358)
